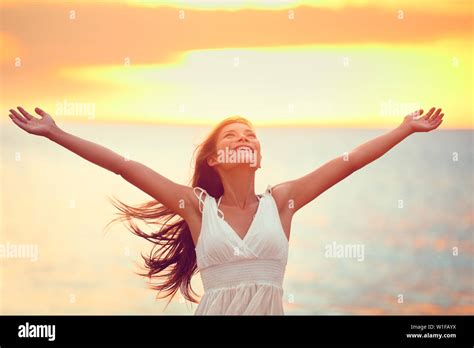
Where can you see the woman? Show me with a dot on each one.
(217, 225)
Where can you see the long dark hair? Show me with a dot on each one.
(172, 258)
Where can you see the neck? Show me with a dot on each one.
(239, 187)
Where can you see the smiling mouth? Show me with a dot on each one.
(244, 148)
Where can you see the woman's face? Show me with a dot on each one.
(237, 145)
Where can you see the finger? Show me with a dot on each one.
(414, 115)
(40, 112)
(429, 113)
(436, 117)
(439, 118)
(18, 123)
(19, 117)
(25, 113)
(437, 124)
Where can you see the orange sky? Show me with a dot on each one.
(342, 63)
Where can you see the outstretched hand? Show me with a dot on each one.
(418, 122)
(31, 124)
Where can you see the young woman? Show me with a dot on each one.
(217, 225)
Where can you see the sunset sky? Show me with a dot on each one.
(107, 70)
(290, 63)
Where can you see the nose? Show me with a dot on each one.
(242, 136)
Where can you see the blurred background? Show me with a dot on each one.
(148, 79)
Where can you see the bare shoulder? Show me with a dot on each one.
(189, 203)
(193, 217)
(282, 194)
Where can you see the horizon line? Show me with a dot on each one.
(213, 124)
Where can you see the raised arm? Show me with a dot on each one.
(178, 198)
(295, 194)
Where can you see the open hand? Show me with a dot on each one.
(31, 124)
(418, 122)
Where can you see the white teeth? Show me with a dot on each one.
(244, 148)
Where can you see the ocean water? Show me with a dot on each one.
(410, 212)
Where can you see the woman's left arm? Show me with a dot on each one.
(297, 193)
(375, 148)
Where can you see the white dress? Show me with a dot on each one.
(241, 276)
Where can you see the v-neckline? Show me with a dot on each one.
(251, 224)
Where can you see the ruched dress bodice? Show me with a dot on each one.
(241, 276)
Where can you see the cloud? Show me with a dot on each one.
(107, 34)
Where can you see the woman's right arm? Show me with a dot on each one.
(179, 198)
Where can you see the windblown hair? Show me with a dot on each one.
(172, 259)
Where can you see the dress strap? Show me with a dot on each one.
(199, 196)
(218, 210)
